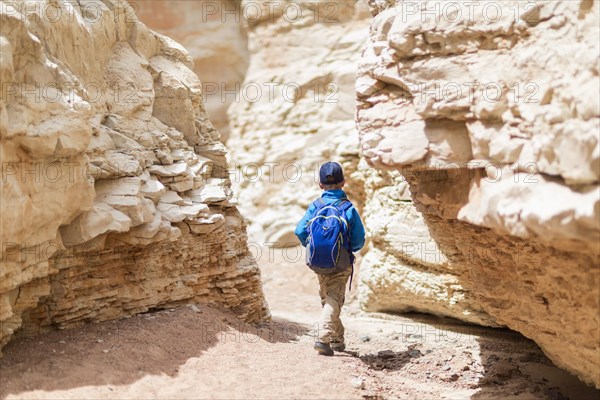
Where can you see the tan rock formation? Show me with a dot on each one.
(115, 195)
(494, 125)
(213, 33)
(297, 109)
(404, 268)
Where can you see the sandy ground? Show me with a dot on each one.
(200, 352)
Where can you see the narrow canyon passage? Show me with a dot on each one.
(199, 352)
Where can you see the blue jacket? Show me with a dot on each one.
(357, 229)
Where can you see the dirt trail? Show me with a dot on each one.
(199, 352)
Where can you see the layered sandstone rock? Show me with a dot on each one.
(495, 128)
(115, 191)
(297, 109)
(404, 268)
(213, 33)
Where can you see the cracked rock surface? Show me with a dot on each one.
(115, 193)
(296, 111)
(491, 128)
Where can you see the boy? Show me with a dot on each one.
(332, 286)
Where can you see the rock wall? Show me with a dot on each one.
(404, 268)
(115, 192)
(213, 33)
(296, 109)
(493, 125)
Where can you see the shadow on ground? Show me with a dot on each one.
(389, 360)
(527, 370)
(123, 351)
(487, 363)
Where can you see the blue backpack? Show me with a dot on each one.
(328, 245)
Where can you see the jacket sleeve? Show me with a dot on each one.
(303, 224)
(357, 230)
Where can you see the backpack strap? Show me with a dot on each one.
(343, 204)
(351, 275)
(318, 204)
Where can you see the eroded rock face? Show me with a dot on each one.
(115, 191)
(213, 33)
(494, 127)
(404, 268)
(297, 110)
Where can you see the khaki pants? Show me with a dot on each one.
(332, 289)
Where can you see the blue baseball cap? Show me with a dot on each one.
(331, 173)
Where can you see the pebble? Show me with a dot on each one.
(194, 308)
(358, 382)
(446, 368)
(365, 338)
(386, 354)
(105, 351)
(379, 365)
(415, 353)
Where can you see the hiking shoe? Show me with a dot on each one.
(336, 346)
(323, 349)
